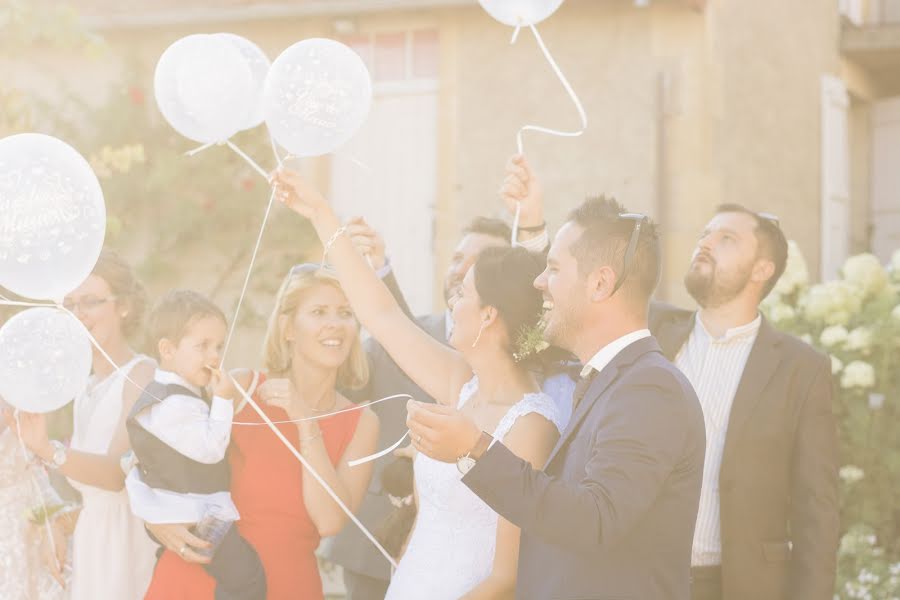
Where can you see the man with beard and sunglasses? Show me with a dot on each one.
(768, 520)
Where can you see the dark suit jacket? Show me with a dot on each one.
(612, 515)
(351, 549)
(778, 479)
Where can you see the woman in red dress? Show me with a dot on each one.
(312, 347)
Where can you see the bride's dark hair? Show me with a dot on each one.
(504, 279)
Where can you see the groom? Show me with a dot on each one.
(612, 515)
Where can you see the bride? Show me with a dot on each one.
(459, 547)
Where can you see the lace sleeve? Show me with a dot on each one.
(539, 403)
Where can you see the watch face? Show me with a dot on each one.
(465, 464)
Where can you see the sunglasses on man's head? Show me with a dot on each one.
(639, 221)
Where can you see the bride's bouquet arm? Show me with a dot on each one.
(438, 370)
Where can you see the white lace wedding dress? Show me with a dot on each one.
(452, 545)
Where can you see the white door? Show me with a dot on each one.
(835, 177)
(885, 208)
(395, 188)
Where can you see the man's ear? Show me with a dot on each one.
(601, 283)
(763, 270)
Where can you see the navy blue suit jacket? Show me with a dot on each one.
(612, 515)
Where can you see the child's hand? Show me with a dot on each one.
(221, 384)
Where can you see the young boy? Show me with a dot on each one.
(179, 437)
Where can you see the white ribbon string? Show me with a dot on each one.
(236, 150)
(515, 228)
(237, 310)
(569, 90)
(37, 488)
(249, 160)
(313, 472)
(93, 340)
(520, 145)
(377, 455)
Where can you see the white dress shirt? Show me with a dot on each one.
(190, 427)
(714, 367)
(607, 353)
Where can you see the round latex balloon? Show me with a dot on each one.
(204, 88)
(520, 13)
(317, 95)
(259, 65)
(45, 359)
(52, 217)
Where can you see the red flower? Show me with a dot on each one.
(248, 183)
(137, 95)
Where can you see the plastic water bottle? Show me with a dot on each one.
(212, 528)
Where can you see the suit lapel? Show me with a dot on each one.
(761, 365)
(673, 334)
(435, 326)
(601, 382)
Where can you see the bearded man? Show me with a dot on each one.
(767, 526)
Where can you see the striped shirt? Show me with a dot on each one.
(714, 367)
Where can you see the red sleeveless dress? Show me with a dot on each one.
(267, 488)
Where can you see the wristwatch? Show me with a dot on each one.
(59, 456)
(465, 463)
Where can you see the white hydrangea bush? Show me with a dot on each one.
(855, 320)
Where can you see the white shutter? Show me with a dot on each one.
(835, 176)
(885, 207)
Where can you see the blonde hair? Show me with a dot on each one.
(353, 374)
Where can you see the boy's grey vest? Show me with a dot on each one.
(163, 467)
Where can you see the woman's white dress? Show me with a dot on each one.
(112, 555)
(452, 546)
(22, 573)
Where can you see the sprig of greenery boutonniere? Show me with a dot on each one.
(530, 341)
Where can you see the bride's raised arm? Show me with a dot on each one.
(437, 369)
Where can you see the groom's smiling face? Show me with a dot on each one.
(566, 296)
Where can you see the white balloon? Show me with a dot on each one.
(259, 65)
(204, 88)
(45, 359)
(316, 97)
(52, 216)
(520, 13)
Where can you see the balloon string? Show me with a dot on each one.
(331, 414)
(37, 487)
(236, 150)
(313, 472)
(515, 228)
(248, 160)
(5, 302)
(569, 90)
(377, 455)
(237, 310)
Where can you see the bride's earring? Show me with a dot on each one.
(480, 331)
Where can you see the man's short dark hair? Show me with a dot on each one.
(770, 240)
(489, 226)
(605, 242)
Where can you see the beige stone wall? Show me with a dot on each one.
(687, 108)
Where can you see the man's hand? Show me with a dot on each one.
(441, 432)
(367, 241)
(521, 187)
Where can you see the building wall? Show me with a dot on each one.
(687, 107)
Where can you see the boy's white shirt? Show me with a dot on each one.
(191, 428)
(186, 424)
